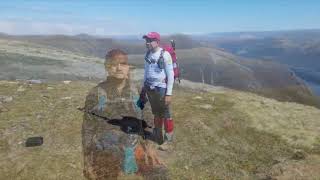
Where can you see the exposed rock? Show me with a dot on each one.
(66, 98)
(3, 108)
(277, 170)
(44, 96)
(66, 82)
(206, 106)
(21, 89)
(197, 97)
(299, 155)
(39, 116)
(264, 177)
(34, 81)
(6, 99)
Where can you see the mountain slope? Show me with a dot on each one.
(23, 60)
(299, 50)
(213, 66)
(207, 65)
(97, 46)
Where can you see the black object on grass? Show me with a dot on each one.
(34, 141)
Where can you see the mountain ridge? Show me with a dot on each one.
(201, 64)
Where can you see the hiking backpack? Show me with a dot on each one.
(171, 50)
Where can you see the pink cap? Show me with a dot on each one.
(152, 35)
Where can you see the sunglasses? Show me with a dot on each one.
(150, 40)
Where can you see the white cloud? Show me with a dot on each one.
(40, 9)
(100, 31)
(7, 27)
(47, 28)
(247, 36)
(30, 27)
(13, 27)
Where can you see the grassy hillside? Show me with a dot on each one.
(216, 67)
(298, 49)
(220, 134)
(97, 46)
(38, 58)
(22, 60)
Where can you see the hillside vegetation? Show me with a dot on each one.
(219, 133)
(23, 60)
(75, 58)
(298, 49)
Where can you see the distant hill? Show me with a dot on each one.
(25, 60)
(298, 49)
(97, 46)
(217, 67)
(83, 44)
(62, 57)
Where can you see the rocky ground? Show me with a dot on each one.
(220, 133)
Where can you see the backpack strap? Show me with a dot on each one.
(161, 59)
(161, 54)
(146, 58)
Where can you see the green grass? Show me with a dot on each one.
(218, 143)
(41, 112)
(11, 58)
(218, 135)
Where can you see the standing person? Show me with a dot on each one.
(158, 84)
(111, 143)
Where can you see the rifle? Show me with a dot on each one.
(128, 124)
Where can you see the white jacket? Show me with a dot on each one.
(156, 77)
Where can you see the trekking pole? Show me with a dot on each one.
(173, 44)
(179, 73)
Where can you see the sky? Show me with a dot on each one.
(129, 17)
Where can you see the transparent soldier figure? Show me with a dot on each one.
(112, 126)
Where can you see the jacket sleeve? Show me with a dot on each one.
(169, 72)
(145, 73)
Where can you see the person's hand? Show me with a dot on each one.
(140, 104)
(143, 95)
(167, 100)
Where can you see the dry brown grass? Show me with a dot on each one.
(221, 134)
(42, 111)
